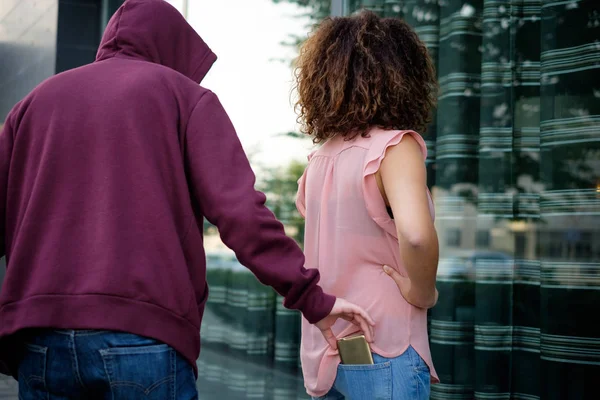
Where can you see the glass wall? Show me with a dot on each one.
(515, 170)
(514, 165)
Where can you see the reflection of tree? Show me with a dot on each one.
(571, 166)
(316, 10)
(280, 186)
(208, 228)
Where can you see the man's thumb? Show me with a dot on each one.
(330, 337)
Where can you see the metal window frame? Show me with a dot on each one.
(339, 8)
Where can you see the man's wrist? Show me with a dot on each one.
(317, 305)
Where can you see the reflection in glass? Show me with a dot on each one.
(515, 176)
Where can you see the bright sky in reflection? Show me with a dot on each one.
(252, 85)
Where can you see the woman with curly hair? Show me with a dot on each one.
(366, 86)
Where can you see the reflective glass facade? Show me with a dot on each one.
(514, 167)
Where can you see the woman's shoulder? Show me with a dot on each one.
(380, 140)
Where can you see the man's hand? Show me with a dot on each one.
(407, 291)
(350, 312)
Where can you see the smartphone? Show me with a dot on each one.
(355, 350)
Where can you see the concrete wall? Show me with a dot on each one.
(27, 47)
(39, 38)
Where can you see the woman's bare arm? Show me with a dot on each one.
(403, 181)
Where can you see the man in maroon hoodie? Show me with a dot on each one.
(106, 174)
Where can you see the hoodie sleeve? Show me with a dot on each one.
(6, 145)
(222, 183)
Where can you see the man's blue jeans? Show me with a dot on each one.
(102, 365)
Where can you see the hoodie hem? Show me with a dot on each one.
(103, 312)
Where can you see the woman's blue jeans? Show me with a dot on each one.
(403, 378)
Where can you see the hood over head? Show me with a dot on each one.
(155, 31)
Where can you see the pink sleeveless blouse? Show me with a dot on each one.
(349, 236)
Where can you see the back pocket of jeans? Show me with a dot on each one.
(360, 382)
(141, 372)
(32, 369)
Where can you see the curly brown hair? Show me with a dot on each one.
(362, 71)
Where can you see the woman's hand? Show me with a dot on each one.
(420, 300)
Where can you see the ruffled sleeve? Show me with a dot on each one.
(301, 195)
(380, 142)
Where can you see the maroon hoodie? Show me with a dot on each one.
(106, 174)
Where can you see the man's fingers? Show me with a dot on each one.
(366, 328)
(354, 314)
(356, 310)
(362, 323)
(330, 337)
(350, 318)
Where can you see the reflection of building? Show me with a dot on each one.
(513, 161)
(573, 236)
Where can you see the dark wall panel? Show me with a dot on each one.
(80, 27)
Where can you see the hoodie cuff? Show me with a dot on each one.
(317, 305)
